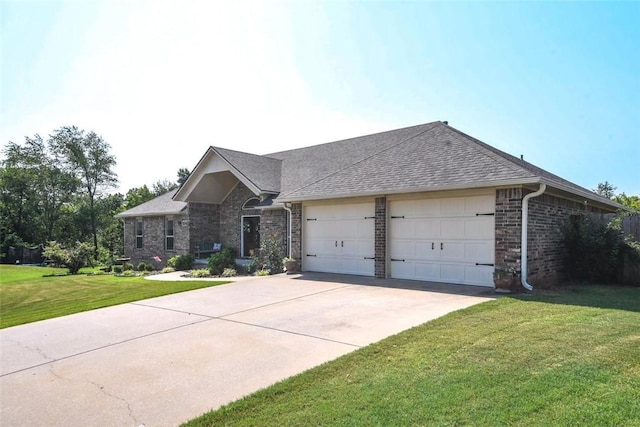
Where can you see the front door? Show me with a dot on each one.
(250, 235)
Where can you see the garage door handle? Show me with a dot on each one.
(336, 243)
(342, 243)
(487, 264)
(393, 217)
(486, 214)
(396, 259)
(312, 255)
(441, 246)
(369, 257)
(433, 246)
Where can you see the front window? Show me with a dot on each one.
(139, 233)
(169, 236)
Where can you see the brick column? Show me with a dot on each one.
(296, 231)
(381, 237)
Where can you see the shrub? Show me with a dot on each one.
(129, 273)
(269, 256)
(149, 267)
(181, 262)
(127, 266)
(263, 272)
(229, 272)
(595, 248)
(201, 272)
(72, 258)
(142, 266)
(217, 262)
(168, 270)
(117, 269)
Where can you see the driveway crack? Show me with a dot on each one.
(128, 405)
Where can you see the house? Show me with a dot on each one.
(426, 202)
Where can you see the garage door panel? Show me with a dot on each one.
(341, 237)
(462, 230)
(481, 227)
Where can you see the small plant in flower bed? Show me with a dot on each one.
(229, 272)
(168, 270)
(263, 272)
(201, 272)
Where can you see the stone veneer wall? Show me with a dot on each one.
(381, 237)
(273, 224)
(204, 224)
(545, 249)
(231, 213)
(153, 239)
(296, 231)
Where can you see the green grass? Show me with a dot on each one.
(28, 294)
(567, 358)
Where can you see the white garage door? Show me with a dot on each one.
(443, 240)
(339, 238)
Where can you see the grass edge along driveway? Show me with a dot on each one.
(563, 358)
(29, 294)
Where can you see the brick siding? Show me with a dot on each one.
(273, 224)
(231, 213)
(153, 239)
(204, 224)
(296, 231)
(381, 237)
(546, 252)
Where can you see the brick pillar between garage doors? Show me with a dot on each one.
(381, 237)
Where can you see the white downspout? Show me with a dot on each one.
(523, 239)
(288, 209)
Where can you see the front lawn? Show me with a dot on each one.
(562, 358)
(28, 294)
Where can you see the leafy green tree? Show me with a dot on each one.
(89, 157)
(73, 258)
(137, 196)
(183, 174)
(632, 202)
(162, 186)
(606, 189)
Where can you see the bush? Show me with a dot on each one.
(595, 248)
(117, 269)
(72, 258)
(142, 266)
(269, 256)
(168, 270)
(201, 272)
(217, 262)
(181, 262)
(229, 272)
(127, 266)
(263, 272)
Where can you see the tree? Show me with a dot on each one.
(162, 186)
(606, 189)
(183, 174)
(632, 202)
(35, 187)
(136, 196)
(88, 156)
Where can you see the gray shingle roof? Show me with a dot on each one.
(161, 205)
(432, 156)
(263, 171)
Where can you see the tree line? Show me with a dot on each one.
(60, 189)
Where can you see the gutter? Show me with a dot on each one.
(523, 238)
(288, 209)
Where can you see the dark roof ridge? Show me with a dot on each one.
(431, 126)
(347, 139)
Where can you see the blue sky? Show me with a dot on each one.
(558, 82)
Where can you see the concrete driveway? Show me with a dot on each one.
(163, 361)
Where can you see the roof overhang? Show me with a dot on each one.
(583, 196)
(151, 213)
(212, 180)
